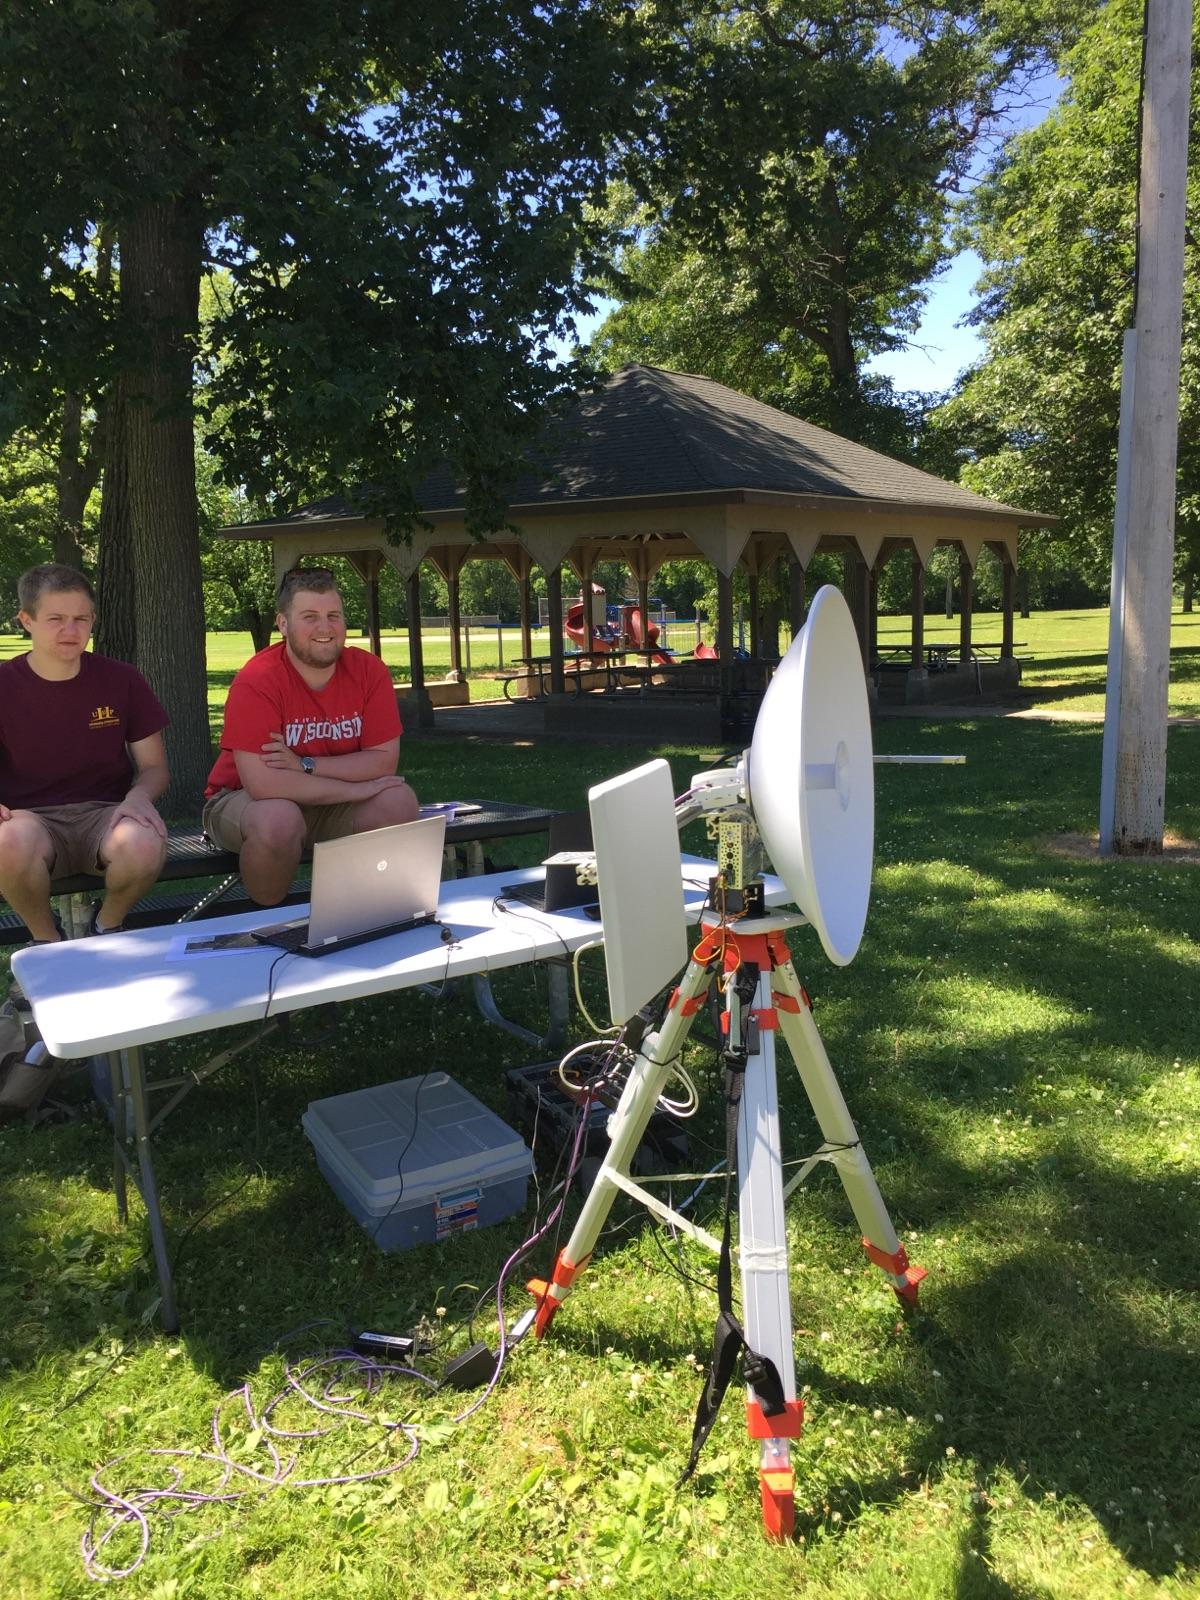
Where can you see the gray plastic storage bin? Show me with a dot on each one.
(418, 1160)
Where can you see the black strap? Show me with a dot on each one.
(729, 1340)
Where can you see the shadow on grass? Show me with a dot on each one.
(1057, 1339)
(1090, 674)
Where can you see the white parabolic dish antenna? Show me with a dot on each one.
(812, 776)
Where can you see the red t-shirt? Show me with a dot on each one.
(64, 739)
(356, 710)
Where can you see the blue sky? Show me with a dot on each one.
(940, 351)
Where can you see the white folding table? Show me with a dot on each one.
(115, 995)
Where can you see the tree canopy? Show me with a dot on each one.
(1055, 224)
(403, 195)
(790, 201)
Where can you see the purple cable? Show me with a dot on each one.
(113, 1512)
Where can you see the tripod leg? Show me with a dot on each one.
(762, 1248)
(640, 1095)
(838, 1130)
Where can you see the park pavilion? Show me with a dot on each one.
(660, 466)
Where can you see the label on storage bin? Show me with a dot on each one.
(456, 1212)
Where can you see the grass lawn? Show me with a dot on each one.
(1064, 654)
(1018, 1043)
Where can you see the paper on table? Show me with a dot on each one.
(198, 946)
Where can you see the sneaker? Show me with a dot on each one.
(94, 928)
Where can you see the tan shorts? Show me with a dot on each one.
(222, 820)
(76, 833)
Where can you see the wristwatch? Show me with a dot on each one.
(307, 764)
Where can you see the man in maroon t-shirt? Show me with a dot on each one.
(81, 761)
(309, 745)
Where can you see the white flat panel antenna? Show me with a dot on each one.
(641, 891)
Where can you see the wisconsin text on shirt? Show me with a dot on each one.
(338, 728)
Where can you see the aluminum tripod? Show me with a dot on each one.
(754, 950)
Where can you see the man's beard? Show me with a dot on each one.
(308, 655)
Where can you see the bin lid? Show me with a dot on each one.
(402, 1142)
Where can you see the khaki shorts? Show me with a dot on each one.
(76, 834)
(222, 820)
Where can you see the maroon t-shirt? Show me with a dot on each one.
(64, 740)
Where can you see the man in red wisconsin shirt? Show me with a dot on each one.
(81, 761)
(309, 745)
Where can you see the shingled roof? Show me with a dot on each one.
(651, 434)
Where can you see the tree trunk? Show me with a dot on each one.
(160, 292)
(1189, 585)
(260, 627)
(78, 467)
(116, 613)
(73, 488)
(1023, 591)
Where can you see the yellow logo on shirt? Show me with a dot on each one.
(104, 717)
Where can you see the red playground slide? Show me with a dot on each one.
(632, 618)
(575, 628)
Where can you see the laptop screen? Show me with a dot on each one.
(370, 880)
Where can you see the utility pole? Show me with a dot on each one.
(1135, 724)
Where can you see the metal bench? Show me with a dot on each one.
(191, 859)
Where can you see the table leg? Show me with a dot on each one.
(558, 983)
(117, 1079)
(559, 997)
(148, 1186)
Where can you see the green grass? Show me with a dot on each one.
(1017, 1041)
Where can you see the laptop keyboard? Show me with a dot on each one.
(291, 939)
(529, 894)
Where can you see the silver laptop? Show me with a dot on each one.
(366, 886)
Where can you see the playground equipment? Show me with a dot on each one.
(611, 628)
(595, 633)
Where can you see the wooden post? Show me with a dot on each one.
(872, 618)
(1136, 713)
(558, 682)
(455, 621)
(1009, 580)
(725, 638)
(755, 620)
(643, 586)
(964, 614)
(526, 616)
(416, 654)
(918, 611)
(796, 596)
(367, 564)
(373, 629)
(861, 606)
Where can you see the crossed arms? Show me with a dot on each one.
(276, 773)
